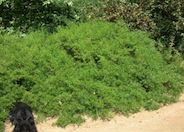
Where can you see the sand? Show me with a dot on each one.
(167, 119)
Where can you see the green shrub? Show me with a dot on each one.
(93, 68)
(26, 14)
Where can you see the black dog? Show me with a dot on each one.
(22, 118)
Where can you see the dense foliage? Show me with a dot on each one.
(133, 14)
(169, 18)
(93, 68)
(35, 14)
(162, 18)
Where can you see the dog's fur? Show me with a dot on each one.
(22, 118)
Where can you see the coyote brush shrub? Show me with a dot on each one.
(93, 68)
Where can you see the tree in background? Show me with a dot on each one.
(35, 14)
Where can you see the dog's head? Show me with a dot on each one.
(22, 118)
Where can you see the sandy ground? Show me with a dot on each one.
(167, 119)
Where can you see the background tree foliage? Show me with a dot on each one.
(35, 14)
(164, 19)
(169, 18)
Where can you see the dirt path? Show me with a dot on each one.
(167, 119)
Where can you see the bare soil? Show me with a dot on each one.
(167, 119)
